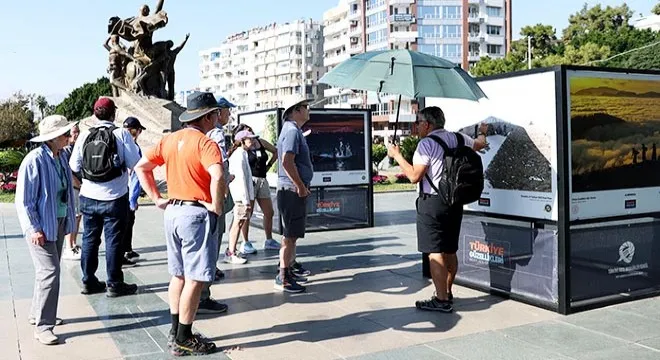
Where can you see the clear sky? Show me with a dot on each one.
(50, 47)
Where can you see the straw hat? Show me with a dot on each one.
(53, 126)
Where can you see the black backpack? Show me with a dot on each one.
(462, 178)
(100, 156)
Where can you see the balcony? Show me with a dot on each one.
(403, 36)
(409, 118)
(473, 18)
(494, 39)
(401, 2)
(335, 43)
(474, 37)
(402, 19)
(355, 31)
(474, 56)
(336, 59)
(354, 15)
(336, 27)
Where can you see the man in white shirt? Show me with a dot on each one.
(104, 165)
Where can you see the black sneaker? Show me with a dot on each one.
(93, 288)
(121, 289)
(132, 255)
(299, 270)
(450, 298)
(210, 306)
(297, 278)
(288, 285)
(434, 304)
(219, 275)
(125, 262)
(195, 346)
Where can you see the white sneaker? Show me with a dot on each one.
(271, 244)
(248, 248)
(72, 254)
(47, 337)
(234, 259)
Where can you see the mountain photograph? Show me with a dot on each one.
(615, 132)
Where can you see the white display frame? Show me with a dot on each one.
(512, 99)
(606, 203)
(348, 177)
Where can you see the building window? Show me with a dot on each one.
(376, 19)
(494, 49)
(372, 4)
(429, 49)
(215, 55)
(430, 31)
(493, 30)
(494, 11)
(377, 37)
(452, 50)
(451, 31)
(429, 12)
(451, 12)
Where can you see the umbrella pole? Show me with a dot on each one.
(396, 121)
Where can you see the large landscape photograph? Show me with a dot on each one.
(615, 133)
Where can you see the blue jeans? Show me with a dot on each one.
(109, 217)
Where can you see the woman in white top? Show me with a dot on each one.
(242, 191)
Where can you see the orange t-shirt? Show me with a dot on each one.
(186, 154)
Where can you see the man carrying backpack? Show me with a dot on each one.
(450, 174)
(103, 155)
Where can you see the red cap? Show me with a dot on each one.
(104, 103)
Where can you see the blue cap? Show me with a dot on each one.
(133, 123)
(224, 103)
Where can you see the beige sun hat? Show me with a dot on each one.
(298, 100)
(53, 126)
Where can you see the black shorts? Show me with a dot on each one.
(438, 225)
(293, 212)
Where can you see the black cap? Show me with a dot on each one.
(133, 123)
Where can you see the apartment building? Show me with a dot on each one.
(461, 31)
(264, 67)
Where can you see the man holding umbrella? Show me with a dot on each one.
(438, 223)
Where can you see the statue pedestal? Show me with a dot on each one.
(157, 115)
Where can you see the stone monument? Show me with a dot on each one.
(142, 74)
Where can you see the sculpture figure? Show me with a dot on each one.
(146, 67)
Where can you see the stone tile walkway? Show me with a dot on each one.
(359, 304)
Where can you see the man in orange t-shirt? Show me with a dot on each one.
(196, 195)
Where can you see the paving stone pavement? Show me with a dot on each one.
(359, 305)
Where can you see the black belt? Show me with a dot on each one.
(426, 196)
(185, 202)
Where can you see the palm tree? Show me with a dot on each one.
(42, 104)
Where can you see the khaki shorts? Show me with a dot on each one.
(241, 211)
(261, 188)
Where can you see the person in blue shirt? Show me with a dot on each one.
(295, 172)
(104, 204)
(44, 203)
(133, 126)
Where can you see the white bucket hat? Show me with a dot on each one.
(53, 126)
(293, 103)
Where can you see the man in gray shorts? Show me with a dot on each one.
(295, 173)
(196, 190)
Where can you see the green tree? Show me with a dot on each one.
(16, 119)
(78, 105)
(42, 105)
(596, 19)
(656, 9)
(378, 153)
